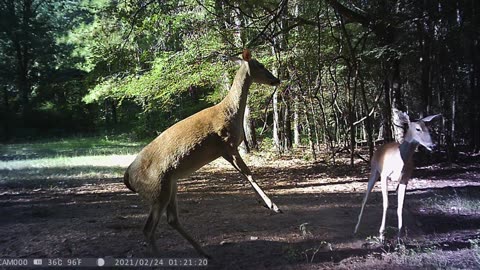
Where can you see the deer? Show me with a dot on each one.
(190, 144)
(394, 161)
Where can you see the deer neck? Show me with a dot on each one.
(235, 102)
(407, 148)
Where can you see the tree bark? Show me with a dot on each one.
(368, 123)
(287, 127)
(276, 123)
(296, 122)
(397, 103)
(387, 113)
(309, 132)
(6, 115)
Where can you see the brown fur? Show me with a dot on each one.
(192, 143)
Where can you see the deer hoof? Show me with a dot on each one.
(276, 209)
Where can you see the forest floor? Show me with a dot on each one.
(77, 206)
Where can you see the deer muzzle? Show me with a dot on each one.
(275, 82)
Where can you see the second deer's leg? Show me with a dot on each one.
(172, 219)
(384, 185)
(236, 160)
(401, 199)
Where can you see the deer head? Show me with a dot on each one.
(417, 131)
(256, 70)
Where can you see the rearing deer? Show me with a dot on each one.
(394, 161)
(192, 143)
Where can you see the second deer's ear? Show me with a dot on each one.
(402, 116)
(430, 117)
(246, 55)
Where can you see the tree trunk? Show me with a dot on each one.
(398, 127)
(287, 127)
(6, 115)
(276, 123)
(296, 122)
(250, 141)
(113, 107)
(368, 123)
(474, 114)
(387, 113)
(309, 132)
(426, 74)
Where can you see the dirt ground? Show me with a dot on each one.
(102, 218)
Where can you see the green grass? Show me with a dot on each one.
(70, 147)
(50, 162)
(454, 204)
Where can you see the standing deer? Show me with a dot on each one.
(192, 143)
(394, 161)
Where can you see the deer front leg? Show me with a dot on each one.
(236, 160)
(385, 205)
(401, 199)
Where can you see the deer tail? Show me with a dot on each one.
(127, 182)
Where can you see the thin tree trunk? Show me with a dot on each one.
(314, 122)
(398, 127)
(287, 127)
(387, 113)
(276, 123)
(6, 115)
(296, 122)
(309, 132)
(249, 141)
(296, 103)
(368, 123)
(114, 112)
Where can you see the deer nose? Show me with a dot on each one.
(431, 147)
(275, 82)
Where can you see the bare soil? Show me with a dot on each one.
(102, 218)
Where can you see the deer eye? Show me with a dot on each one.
(418, 129)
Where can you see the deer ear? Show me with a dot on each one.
(402, 116)
(430, 117)
(246, 55)
(237, 60)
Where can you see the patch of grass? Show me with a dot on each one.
(69, 147)
(310, 253)
(50, 170)
(456, 204)
(434, 259)
(68, 162)
(475, 246)
(45, 163)
(397, 255)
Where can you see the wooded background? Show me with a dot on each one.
(78, 67)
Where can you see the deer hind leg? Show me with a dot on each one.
(236, 160)
(371, 184)
(156, 211)
(172, 219)
(384, 184)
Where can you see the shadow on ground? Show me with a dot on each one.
(100, 217)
